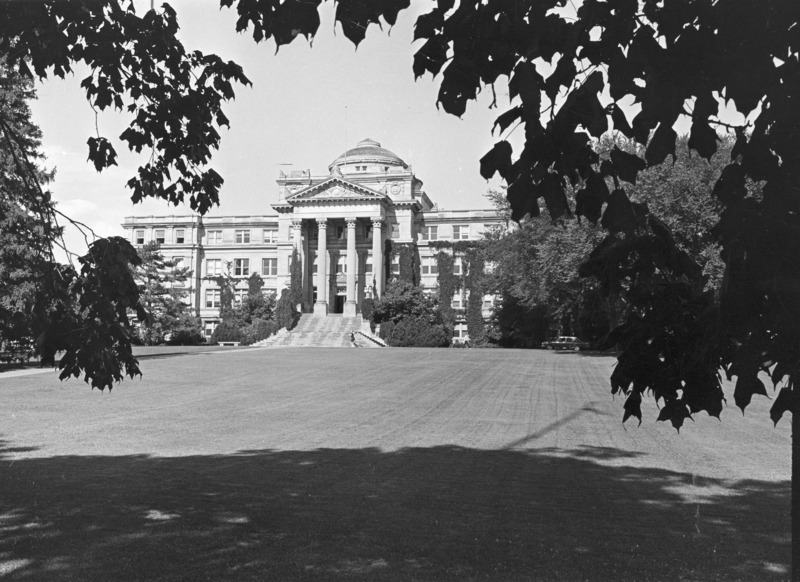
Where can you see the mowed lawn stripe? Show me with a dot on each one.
(398, 464)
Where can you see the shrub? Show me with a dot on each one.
(386, 330)
(285, 312)
(259, 330)
(227, 332)
(416, 332)
(367, 308)
(186, 332)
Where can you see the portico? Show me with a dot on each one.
(339, 226)
(337, 229)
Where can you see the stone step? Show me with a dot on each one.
(320, 331)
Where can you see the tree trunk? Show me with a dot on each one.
(796, 496)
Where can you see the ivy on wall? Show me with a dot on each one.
(448, 283)
(409, 262)
(473, 281)
(227, 295)
(296, 280)
(388, 252)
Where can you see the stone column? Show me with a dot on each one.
(297, 235)
(377, 255)
(297, 245)
(321, 306)
(352, 267)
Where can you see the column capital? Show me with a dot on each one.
(377, 222)
(322, 223)
(297, 222)
(351, 222)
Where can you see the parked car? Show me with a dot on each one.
(565, 342)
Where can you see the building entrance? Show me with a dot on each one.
(338, 304)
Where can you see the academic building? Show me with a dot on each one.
(342, 224)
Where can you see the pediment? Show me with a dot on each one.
(335, 189)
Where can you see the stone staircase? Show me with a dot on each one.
(332, 331)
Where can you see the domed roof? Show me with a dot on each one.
(368, 151)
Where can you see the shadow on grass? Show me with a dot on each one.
(442, 513)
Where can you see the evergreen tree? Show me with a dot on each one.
(162, 288)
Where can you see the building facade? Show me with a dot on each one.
(342, 225)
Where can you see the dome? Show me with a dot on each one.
(368, 151)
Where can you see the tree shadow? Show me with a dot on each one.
(441, 513)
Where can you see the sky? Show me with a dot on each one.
(306, 106)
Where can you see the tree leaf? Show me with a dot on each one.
(785, 402)
(703, 139)
(526, 82)
(627, 165)
(522, 198)
(459, 85)
(633, 407)
(747, 384)
(590, 199)
(618, 215)
(498, 159)
(661, 145)
(731, 184)
(506, 119)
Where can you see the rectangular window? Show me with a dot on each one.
(341, 265)
(179, 237)
(488, 267)
(368, 264)
(212, 298)
(457, 302)
(160, 236)
(214, 237)
(429, 266)
(461, 232)
(209, 328)
(242, 237)
(488, 301)
(139, 237)
(368, 231)
(314, 265)
(213, 267)
(457, 266)
(269, 267)
(430, 233)
(238, 295)
(270, 235)
(460, 331)
(396, 265)
(340, 232)
(395, 231)
(313, 232)
(241, 267)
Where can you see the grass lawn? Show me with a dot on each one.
(396, 464)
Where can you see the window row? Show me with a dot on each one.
(242, 236)
(459, 301)
(213, 300)
(269, 266)
(160, 236)
(241, 267)
(460, 232)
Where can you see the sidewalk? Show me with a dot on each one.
(140, 352)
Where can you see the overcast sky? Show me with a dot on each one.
(306, 105)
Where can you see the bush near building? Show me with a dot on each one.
(409, 318)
